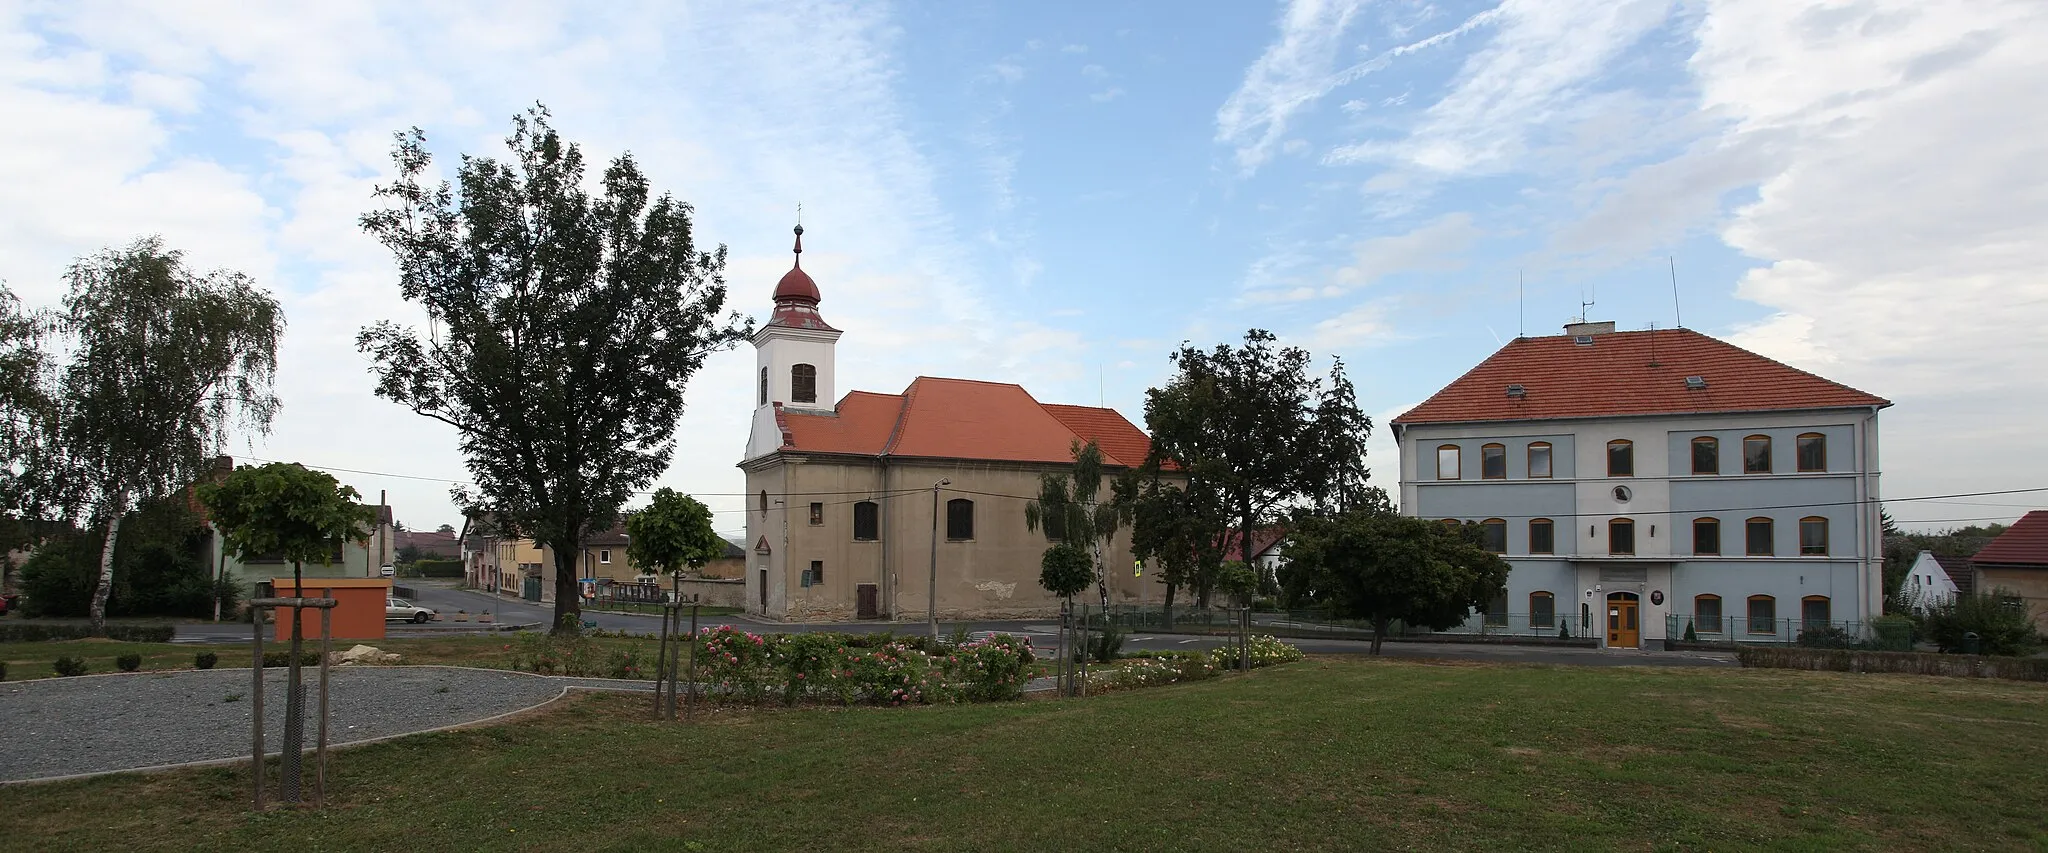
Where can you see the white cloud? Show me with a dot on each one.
(1110, 94)
(1294, 71)
(1365, 325)
(1434, 246)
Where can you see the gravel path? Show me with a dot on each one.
(92, 724)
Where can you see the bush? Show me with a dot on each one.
(1826, 637)
(1893, 633)
(991, 670)
(284, 658)
(625, 664)
(68, 666)
(1106, 644)
(33, 632)
(128, 663)
(1916, 663)
(895, 674)
(3, 670)
(1153, 671)
(2001, 627)
(557, 654)
(1691, 636)
(1265, 651)
(205, 660)
(734, 659)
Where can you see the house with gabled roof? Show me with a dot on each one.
(1640, 483)
(871, 505)
(2016, 564)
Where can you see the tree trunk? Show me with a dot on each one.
(568, 601)
(1379, 630)
(1166, 617)
(98, 613)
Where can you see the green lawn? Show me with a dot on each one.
(1322, 755)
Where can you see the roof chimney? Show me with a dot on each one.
(1583, 328)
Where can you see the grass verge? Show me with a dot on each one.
(1322, 755)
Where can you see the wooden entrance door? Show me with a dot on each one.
(866, 599)
(1623, 628)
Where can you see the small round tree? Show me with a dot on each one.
(672, 534)
(1065, 570)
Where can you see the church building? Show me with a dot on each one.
(869, 505)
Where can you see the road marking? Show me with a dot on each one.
(1185, 642)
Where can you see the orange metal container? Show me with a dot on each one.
(359, 615)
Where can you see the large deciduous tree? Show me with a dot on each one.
(1174, 524)
(563, 328)
(1248, 425)
(672, 535)
(163, 364)
(1373, 564)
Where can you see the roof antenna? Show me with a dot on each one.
(1585, 302)
(1521, 319)
(1674, 291)
(1101, 387)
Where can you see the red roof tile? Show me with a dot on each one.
(2025, 542)
(1232, 542)
(1615, 376)
(962, 419)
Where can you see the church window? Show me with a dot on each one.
(764, 387)
(959, 519)
(867, 518)
(817, 514)
(803, 384)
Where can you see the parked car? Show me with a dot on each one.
(406, 611)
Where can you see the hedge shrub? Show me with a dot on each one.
(128, 663)
(205, 660)
(1914, 663)
(68, 666)
(437, 568)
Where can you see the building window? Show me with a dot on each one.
(1706, 614)
(1542, 610)
(1763, 615)
(1813, 536)
(1539, 460)
(1757, 535)
(814, 575)
(1811, 453)
(764, 387)
(1706, 537)
(1621, 458)
(1494, 535)
(817, 514)
(959, 519)
(1621, 537)
(604, 556)
(1447, 462)
(1756, 454)
(1493, 462)
(867, 521)
(1542, 536)
(764, 503)
(1497, 611)
(803, 384)
(1813, 613)
(1706, 455)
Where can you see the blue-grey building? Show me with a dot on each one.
(1641, 482)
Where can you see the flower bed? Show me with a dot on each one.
(853, 669)
(1265, 651)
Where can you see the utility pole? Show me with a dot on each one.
(932, 602)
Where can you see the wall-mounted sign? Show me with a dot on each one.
(1657, 597)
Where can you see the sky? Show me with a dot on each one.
(1058, 194)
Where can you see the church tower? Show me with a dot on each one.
(792, 357)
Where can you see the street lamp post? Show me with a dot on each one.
(932, 602)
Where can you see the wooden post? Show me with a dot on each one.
(320, 744)
(256, 702)
(693, 655)
(668, 614)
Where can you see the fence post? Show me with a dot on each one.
(256, 702)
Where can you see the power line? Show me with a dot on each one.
(640, 492)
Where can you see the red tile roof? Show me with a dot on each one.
(962, 419)
(1232, 542)
(1615, 376)
(2024, 543)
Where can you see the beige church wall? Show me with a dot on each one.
(992, 576)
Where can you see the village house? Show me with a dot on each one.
(1644, 483)
(860, 507)
(2016, 565)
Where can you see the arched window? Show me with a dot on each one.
(1814, 613)
(1542, 610)
(1756, 454)
(1539, 460)
(1813, 536)
(803, 384)
(959, 519)
(1447, 462)
(1497, 611)
(1706, 537)
(1758, 537)
(764, 387)
(1763, 615)
(1706, 614)
(1621, 537)
(867, 521)
(1493, 462)
(1494, 535)
(1811, 453)
(1706, 455)
(1621, 458)
(1542, 536)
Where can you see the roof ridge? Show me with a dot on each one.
(922, 377)
(903, 402)
(1800, 371)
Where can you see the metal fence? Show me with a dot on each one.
(1731, 631)
(1310, 623)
